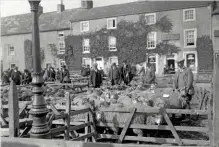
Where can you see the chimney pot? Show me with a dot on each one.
(60, 8)
(86, 4)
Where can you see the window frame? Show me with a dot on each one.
(11, 64)
(185, 38)
(155, 19)
(108, 19)
(112, 58)
(61, 32)
(88, 28)
(184, 15)
(60, 62)
(86, 59)
(9, 50)
(60, 47)
(155, 44)
(157, 61)
(85, 52)
(110, 48)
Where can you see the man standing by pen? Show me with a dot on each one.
(95, 77)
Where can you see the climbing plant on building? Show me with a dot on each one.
(131, 40)
(205, 53)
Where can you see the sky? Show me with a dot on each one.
(14, 7)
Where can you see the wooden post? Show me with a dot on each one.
(13, 111)
(67, 115)
(86, 128)
(93, 126)
(216, 98)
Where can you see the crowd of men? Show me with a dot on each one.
(25, 77)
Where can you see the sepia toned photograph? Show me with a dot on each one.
(109, 73)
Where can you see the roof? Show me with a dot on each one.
(22, 24)
(136, 8)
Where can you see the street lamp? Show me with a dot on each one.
(39, 110)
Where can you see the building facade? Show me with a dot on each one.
(190, 21)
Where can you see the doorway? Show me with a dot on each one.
(100, 63)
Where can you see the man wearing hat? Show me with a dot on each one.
(114, 75)
(95, 77)
(183, 82)
(65, 75)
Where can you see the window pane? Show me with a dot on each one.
(190, 37)
(150, 19)
(190, 60)
(112, 43)
(151, 40)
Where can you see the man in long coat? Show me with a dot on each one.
(16, 76)
(150, 74)
(114, 75)
(65, 75)
(183, 82)
(125, 73)
(95, 77)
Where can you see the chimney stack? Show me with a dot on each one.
(86, 4)
(60, 7)
(40, 10)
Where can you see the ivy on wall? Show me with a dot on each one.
(29, 54)
(54, 53)
(131, 41)
(205, 53)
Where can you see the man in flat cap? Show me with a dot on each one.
(183, 82)
(95, 77)
(65, 75)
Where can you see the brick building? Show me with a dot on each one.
(190, 20)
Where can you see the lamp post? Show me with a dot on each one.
(39, 110)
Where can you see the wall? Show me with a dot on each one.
(215, 26)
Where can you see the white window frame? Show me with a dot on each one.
(110, 48)
(88, 28)
(114, 58)
(86, 59)
(60, 48)
(185, 38)
(184, 16)
(155, 37)
(149, 14)
(196, 59)
(61, 33)
(11, 64)
(9, 50)
(84, 52)
(109, 19)
(60, 62)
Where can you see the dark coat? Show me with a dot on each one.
(5, 77)
(27, 77)
(65, 76)
(95, 78)
(114, 74)
(125, 73)
(16, 77)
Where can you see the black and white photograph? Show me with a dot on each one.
(109, 73)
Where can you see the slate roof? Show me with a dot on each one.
(136, 8)
(19, 24)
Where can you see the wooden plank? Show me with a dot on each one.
(93, 126)
(80, 111)
(84, 137)
(157, 140)
(128, 122)
(25, 132)
(67, 117)
(22, 109)
(210, 122)
(13, 111)
(26, 142)
(86, 128)
(155, 127)
(55, 111)
(50, 120)
(57, 131)
(172, 128)
(72, 128)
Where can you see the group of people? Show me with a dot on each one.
(124, 73)
(17, 76)
(62, 75)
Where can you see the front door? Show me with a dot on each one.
(99, 62)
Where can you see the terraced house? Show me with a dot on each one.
(190, 20)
